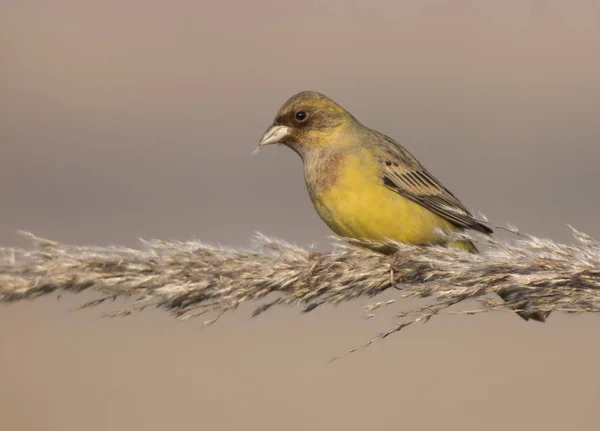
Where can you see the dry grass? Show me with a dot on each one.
(190, 278)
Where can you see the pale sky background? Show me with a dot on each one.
(128, 119)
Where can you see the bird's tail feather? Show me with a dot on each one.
(538, 316)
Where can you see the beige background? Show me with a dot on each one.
(126, 119)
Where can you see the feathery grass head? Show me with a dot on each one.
(189, 279)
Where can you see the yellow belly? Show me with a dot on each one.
(358, 206)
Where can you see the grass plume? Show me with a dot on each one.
(189, 279)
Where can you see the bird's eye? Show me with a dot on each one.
(300, 116)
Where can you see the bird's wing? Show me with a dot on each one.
(402, 173)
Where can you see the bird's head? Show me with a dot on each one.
(308, 122)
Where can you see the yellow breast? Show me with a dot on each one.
(356, 205)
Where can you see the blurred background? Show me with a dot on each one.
(127, 119)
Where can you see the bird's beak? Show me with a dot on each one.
(274, 135)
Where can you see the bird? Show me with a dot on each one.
(366, 186)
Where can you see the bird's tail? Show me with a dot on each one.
(538, 316)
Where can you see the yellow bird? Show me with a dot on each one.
(363, 184)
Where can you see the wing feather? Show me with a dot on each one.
(402, 173)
